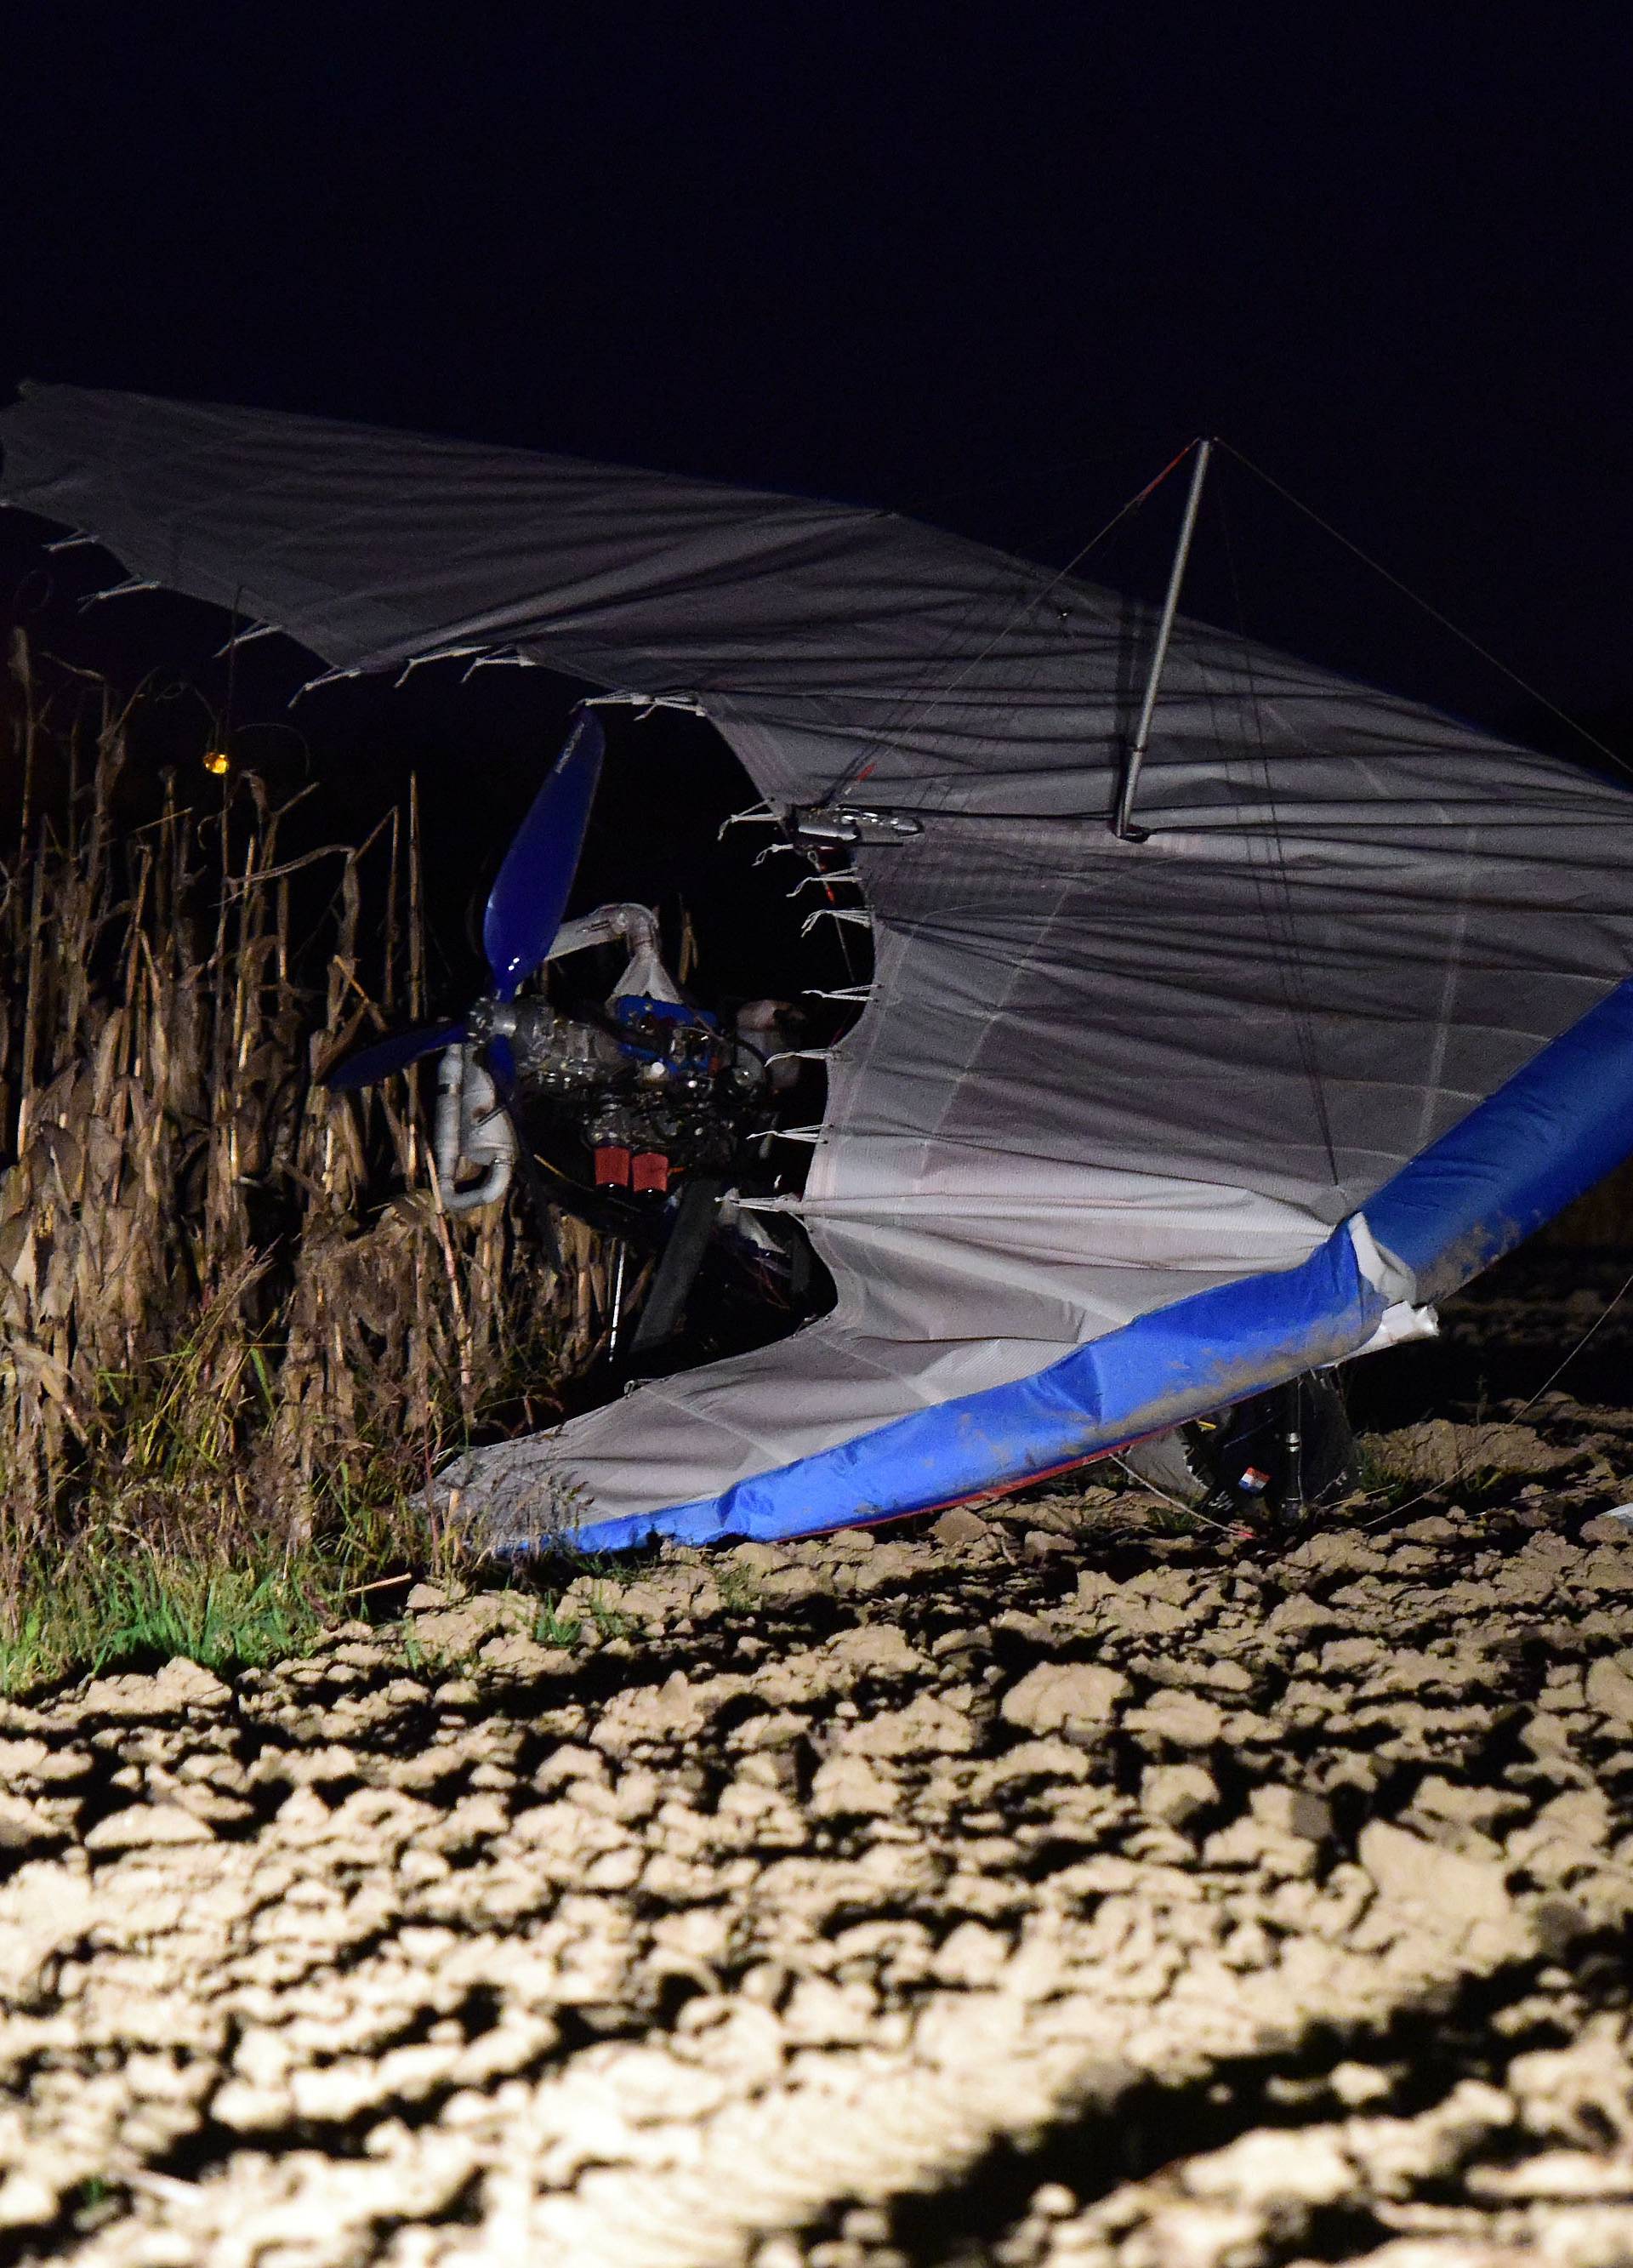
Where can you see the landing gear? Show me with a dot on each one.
(1277, 1453)
(678, 1265)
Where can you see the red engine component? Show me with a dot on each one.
(649, 1170)
(613, 1165)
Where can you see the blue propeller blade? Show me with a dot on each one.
(367, 1066)
(526, 905)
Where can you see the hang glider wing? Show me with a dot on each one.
(1126, 1129)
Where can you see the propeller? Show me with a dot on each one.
(524, 911)
(519, 925)
(368, 1066)
(529, 894)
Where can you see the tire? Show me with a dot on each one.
(1240, 1457)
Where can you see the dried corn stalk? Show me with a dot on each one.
(214, 1314)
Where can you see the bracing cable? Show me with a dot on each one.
(1466, 1463)
(1446, 622)
(1295, 991)
(939, 696)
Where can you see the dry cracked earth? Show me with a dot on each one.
(1035, 1887)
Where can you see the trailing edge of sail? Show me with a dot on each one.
(1119, 1120)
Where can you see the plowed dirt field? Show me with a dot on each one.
(1039, 1886)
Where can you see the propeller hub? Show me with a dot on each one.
(489, 1019)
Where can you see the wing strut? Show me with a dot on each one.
(1121, 825)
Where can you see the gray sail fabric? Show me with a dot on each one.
(1095, 1076)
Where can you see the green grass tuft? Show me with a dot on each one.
(134, 1607)
(554, 1628)
(611, 1620)
(738, 1591)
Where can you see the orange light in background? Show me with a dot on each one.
(217, 761)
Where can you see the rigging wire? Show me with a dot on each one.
(1465, 1465)
(1377, 566)
(1151, 1488)
(1290, 967)
(941, 695)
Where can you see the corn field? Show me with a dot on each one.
(232, 1319)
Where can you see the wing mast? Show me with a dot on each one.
(1121, 825)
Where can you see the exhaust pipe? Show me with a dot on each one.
(471, 1133)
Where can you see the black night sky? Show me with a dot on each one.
(994, 264)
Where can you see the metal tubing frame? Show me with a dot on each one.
(1121, 825)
